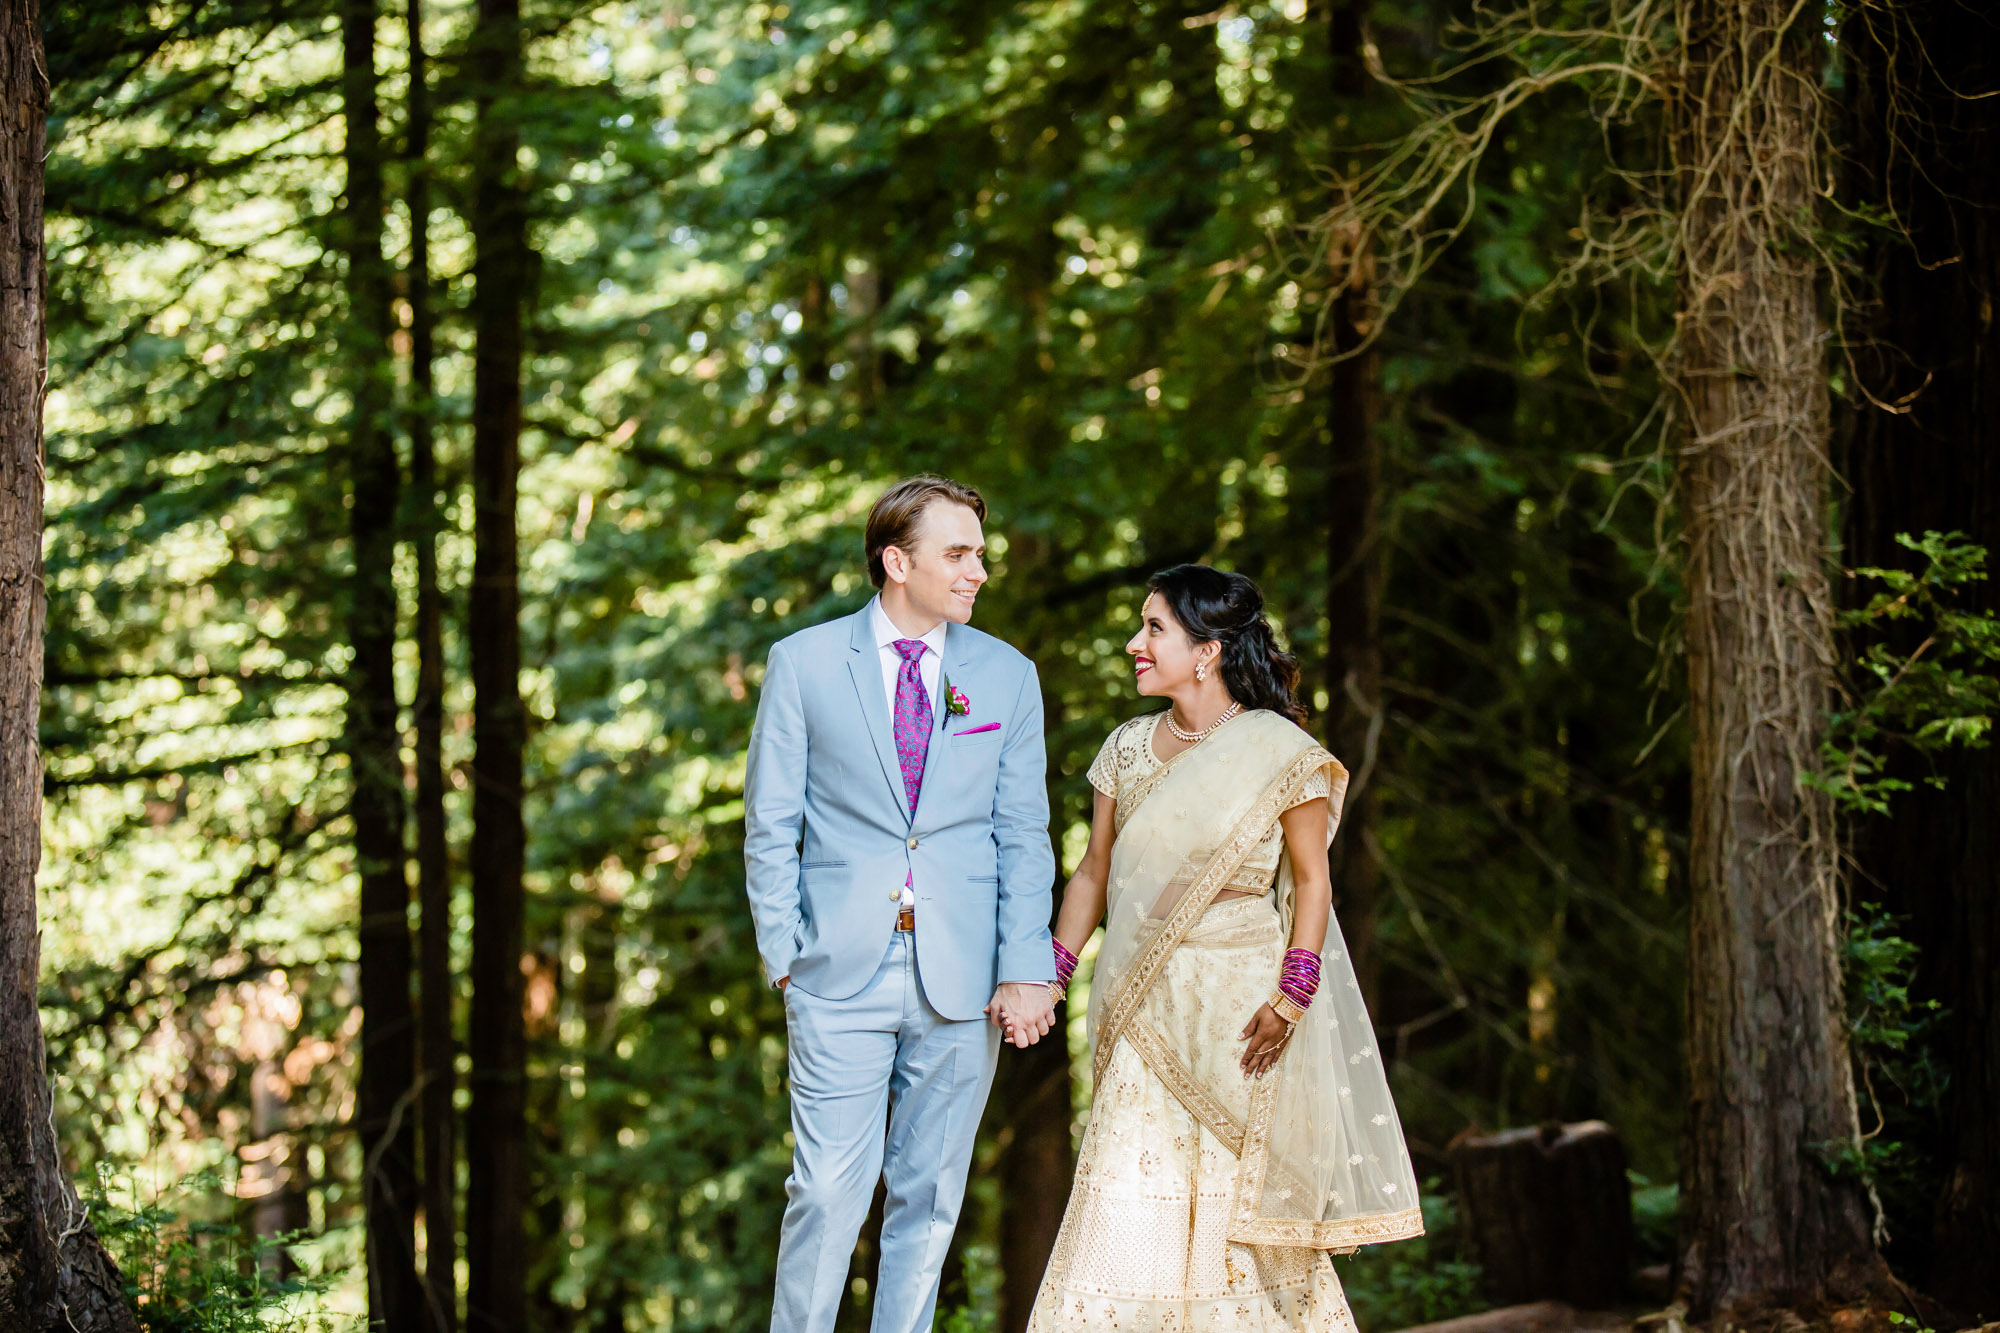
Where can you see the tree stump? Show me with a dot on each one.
(1547, 1213)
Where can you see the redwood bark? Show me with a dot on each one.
(438, 1052)
(1929, 133)
(271, 1180)
(53, 1273)
(1771, 1096)
(496, 1134)
(599, 927)
(547, 1001)
(386, 1113)
(1352, 672)
(1035, 1167)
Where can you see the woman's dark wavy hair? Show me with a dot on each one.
(1215, 606)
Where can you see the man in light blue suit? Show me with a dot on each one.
(897, 852)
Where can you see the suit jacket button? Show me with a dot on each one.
(895, 895)
(913, 844)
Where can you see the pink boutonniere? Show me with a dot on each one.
(955, 702)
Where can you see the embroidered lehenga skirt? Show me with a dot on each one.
(1143, 1246)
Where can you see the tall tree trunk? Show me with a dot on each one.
(1929, 133)
(270, 1181)
(1353, 668)
(1035, 1167)
(386, 1110)
(272, 1165)
(439, 1053)
(550, 1125)
(600, 924)
(1771, 1096)
(1032, 1087)
(865, 295)
(1036, 1164)
(53, 1272)
(496, 1132)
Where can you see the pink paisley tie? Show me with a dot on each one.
(913, 718)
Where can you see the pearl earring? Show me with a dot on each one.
(1201, 672)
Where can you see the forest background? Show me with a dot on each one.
(757, 260)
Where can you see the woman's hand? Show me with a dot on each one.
(1266, 1035)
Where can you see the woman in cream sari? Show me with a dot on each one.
(1241, 1128)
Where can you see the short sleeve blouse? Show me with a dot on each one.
(1127, 757)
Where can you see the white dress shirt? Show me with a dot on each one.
(930, 667)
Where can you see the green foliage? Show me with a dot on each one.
(1884, 1019)
(1900, 1075)
(980, 1313)
(1656, 1213)
(1413, 1281)
(186, 1275)
(1927, 672)
(1923, 678)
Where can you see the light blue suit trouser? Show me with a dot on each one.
(883, 1060)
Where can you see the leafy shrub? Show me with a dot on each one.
(187, 1275)
(1900, 1075)
(1656, 1211)
(1926, 673)
(980, 1313)
(1413, 1281)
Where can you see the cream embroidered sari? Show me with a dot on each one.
(1205, 1200)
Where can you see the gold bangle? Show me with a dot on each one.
(1057, 992)
(1286, 1008)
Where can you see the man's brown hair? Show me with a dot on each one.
(894, 519)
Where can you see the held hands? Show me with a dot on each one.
(1024, 1011)
(1265, 1035)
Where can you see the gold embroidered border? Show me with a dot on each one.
(1247, 1227)
(1152, 1048)
(1144, 787)
(1347, 1233)
(1159, 1056)
(1256, 1153)
(1249, 831)
(1375, 1229)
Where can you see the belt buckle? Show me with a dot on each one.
(906, 918)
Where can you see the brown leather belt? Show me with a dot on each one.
(906, 919)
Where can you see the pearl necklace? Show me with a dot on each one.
(1190, 737)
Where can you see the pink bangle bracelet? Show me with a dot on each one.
(1065, 962)
(1298, 976)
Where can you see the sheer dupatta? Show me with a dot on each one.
(1322, 1159)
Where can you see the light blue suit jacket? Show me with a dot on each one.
(829, 838)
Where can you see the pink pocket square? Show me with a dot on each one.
(990, 726)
